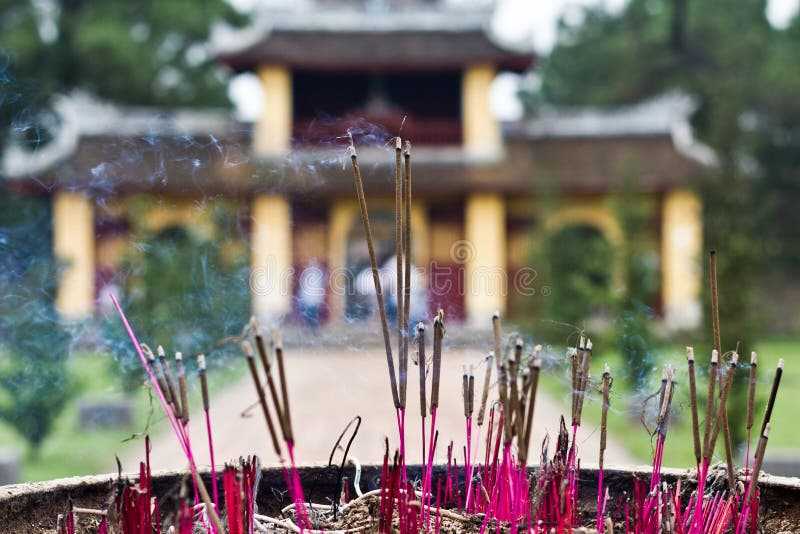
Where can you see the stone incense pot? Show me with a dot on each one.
(33, 508)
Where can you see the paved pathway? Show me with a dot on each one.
(327, 388)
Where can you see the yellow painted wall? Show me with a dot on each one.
(271, 257)
(486, 279)
(481, 131)
(273, 130)
(73, 245)
(681, 249)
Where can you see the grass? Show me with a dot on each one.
(624, 414)
(70, 450)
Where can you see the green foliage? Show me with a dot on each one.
(34, 377)
(579, 260)
(141, 53)
(181, 290)
(634, 323)
(743, 74)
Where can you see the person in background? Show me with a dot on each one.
(311, 294)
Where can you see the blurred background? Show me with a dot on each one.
(573, 164)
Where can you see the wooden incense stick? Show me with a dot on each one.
(362, 202)
(513, 403)
(438, 336)
(165, 368)
(181, 371)
(776, 382)
(751, 392)
(720, 421)
(498, 349)
(712, 380)
(761, 448)
(162, 384)
(584, 378)
(718, 346)
(698, 453)
(201, 372)
(273, 390)
(423, 403)
(471, 392)
(534, 368)
(247, 348)
(406, 244)
(399, 197)
(487, 380)
(286, 418)
(604, 414)
(465, 391)
(502, 385)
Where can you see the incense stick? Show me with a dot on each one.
(288, 434)
(406, 247)
(751, 393)
(693, 402)
(487, 379)
(362, 202)
(776, 382)
(534, 369)
(423, 403)
(723, 402)
(247, 348)
(583, 379)
(158, 372)
(273, 390)
(399, 198)
(181, 371)
(513, 378)
(438, 336)
(165, 368)
(201, 372)
(604, 414)
(712, 380)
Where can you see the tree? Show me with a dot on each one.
(34, 376)
(140, 53)
(181, 290)
(719, 51)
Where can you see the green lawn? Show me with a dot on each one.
(71, 450)
(625, 409)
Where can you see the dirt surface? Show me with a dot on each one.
(327, 388)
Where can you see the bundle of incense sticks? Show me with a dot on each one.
(499, 491)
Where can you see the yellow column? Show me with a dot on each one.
(484, 249)
(73, 245)
(681, 247)
(341, 217)
(271, 257)
(273, 130)
(481, 131)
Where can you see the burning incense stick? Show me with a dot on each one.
(718, 347)
(158, 372)
(776, 382)
(720, 421)
(487, 379)
(583, 379)
(604, 414)
(514, 403)
(603, 432)
(406, 245)
(712, 380)
(181, 370)
(167, 371)
(751, 392)
(423, 403)
(362, 202)
(201, 372)
(752, 487)
(438, 336)
(399, 198)
(498, 349)
(693, 402)
(247, 348)
(534, 368)
(286, 420)
(273, 390)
